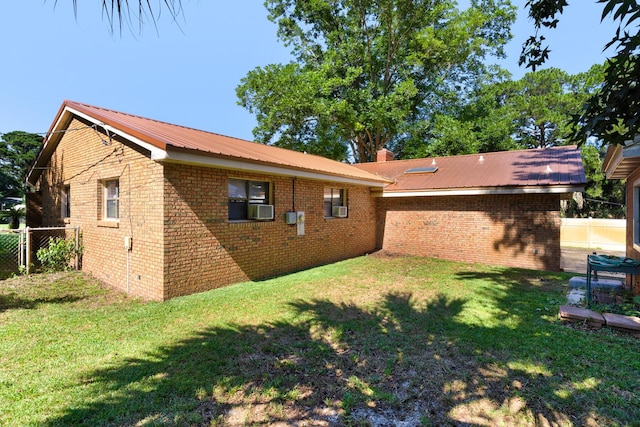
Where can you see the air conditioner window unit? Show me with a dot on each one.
(340, 211)
(261, 212)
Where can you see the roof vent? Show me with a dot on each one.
(422, 170)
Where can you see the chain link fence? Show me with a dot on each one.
(11, 258)
(18, 248)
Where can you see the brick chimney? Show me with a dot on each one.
(384, 155)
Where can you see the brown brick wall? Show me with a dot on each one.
(203, 250)
(83, 159)
(183, 242)
(510, 230)
(632, 250)
(177, 218)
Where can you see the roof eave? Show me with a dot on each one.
(483, 191)
(162, 152)
(621, 160)
(229, 163)
(62, 120)
(50, 142)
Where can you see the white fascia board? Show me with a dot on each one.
(45, 146)
(484, 191)
(155, 151)
(616, 158)
(231, 164)
(622, 153)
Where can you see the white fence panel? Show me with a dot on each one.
(594, 233)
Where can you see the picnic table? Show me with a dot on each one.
(610, 263)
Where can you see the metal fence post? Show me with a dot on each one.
(21, 249)
(28, 249)
(77, 244)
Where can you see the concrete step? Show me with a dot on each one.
(577, 297)
(581, 282)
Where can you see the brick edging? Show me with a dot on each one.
(595, 319)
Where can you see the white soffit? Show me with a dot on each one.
(232, 164)
(484, 191)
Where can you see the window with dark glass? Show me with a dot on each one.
(244, 193)
(333, 197)
(65, 201)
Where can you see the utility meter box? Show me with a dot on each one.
(290, 218)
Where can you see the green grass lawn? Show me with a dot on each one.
(367, 341)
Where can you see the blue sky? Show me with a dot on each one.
(187, 75)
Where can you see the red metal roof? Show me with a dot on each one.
(175, 138)
(557, 166)
(552, 167)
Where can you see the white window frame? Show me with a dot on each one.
(109, 198)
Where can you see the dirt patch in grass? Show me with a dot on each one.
(74, 288)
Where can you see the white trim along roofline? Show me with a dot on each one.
(556, 189)
(155, 151)
(224, 163)
(160, 155)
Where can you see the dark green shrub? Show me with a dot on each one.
(57, 255)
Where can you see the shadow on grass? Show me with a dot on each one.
(402, 360)
(12, 301)
(34, 290)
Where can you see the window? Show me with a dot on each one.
(636, 214)
(334, 197)
(65, 201)
(243, 194)
(111, 199)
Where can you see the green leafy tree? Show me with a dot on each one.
(546, 100)
(18, 150)
(611, 114)
(369, 74)
(534, 111)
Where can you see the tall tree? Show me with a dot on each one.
(368, 73)
(613, 113)
(534, 111)
(18, 150)
(546, 100)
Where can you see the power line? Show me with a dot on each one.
(45, 134)
(604, 202)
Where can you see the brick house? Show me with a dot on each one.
(166, 210)
(623, 162)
